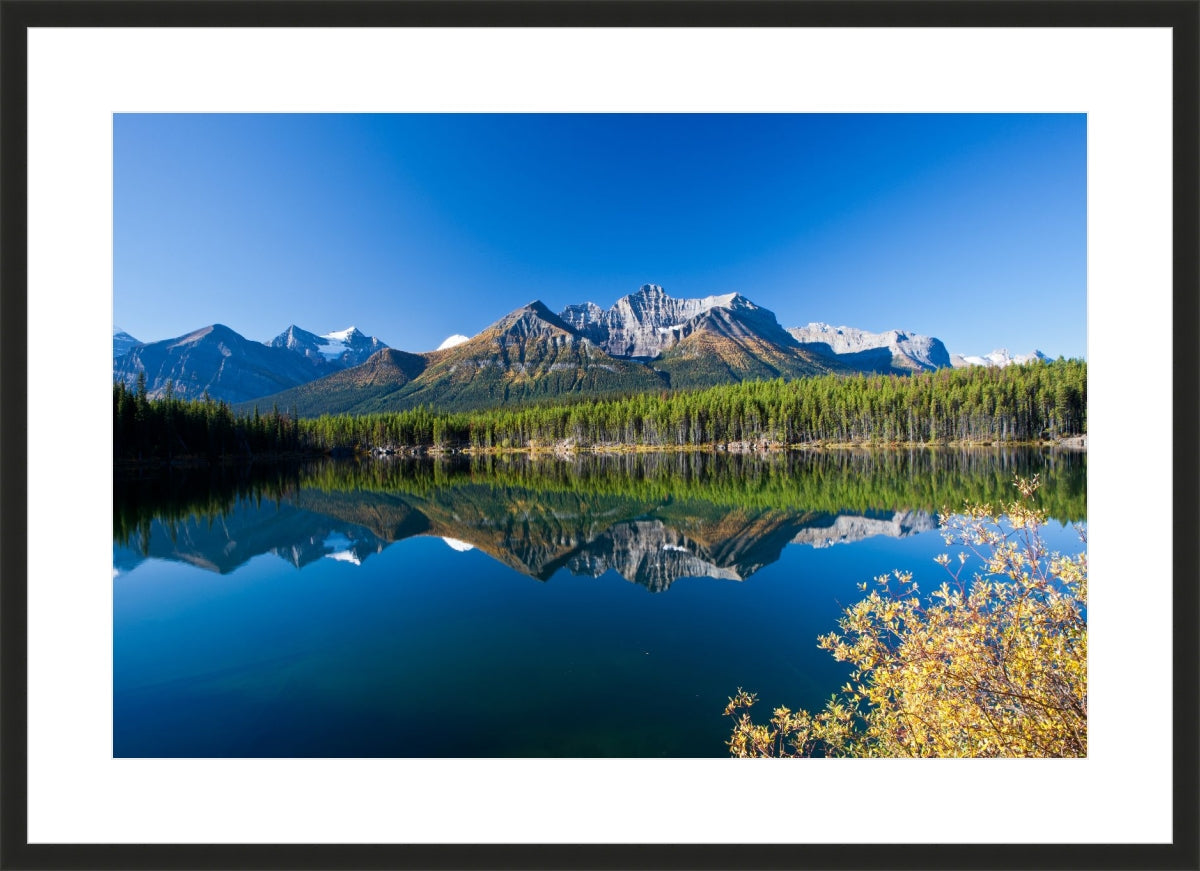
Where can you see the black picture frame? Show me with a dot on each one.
(16, 16)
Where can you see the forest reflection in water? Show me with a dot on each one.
(651, 517)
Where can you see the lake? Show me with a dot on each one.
(515, 606)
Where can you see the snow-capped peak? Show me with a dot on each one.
(456, 544)
(451, 341)
(1001, 357)
(723, 300)
(340, 548)
(340, 335)
(336, 343)
(347, 347)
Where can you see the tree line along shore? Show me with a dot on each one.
(1034, 403)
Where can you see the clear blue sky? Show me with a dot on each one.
(971, 228)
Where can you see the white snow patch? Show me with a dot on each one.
(336, 343)
(451, 341)
(1000, 358)
(675, 547)
(455, 544)
(331, 350)
(340, 545)
(714, 301)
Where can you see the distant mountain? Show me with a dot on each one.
(123, 343)
(1000, 358)
(234, 368)
(330, 351)
(214, 359)
(892, 351)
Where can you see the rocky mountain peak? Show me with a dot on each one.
(532, 318)
(329, 351)
(123, 343)
(649, 321)
(892, 350)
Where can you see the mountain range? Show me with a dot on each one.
(647, 340)
(217, 361)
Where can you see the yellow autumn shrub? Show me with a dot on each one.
(991, 664)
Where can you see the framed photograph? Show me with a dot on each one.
(524, 413)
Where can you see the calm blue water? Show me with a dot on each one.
(528, 609)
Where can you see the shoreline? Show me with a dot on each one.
(566, 449)
(569, 450)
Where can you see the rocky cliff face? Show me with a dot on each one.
(649, 553)
(646, 323)
(894, 350)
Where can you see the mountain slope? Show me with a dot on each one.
(737, 343)
(384, 373)
(214, 359)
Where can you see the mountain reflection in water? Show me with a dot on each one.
(651, 518)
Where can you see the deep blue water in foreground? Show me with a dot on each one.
(419, 611)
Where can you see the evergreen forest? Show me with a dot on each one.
(1043, 401)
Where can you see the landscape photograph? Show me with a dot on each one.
(599, 435)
